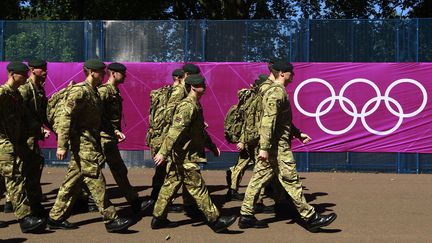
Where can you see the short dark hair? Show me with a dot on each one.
(275, 73)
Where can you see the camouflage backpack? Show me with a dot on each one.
(158, 122)
(56, 100)
(236, 115)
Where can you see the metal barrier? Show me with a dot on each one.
(392, 40)
(240, 40)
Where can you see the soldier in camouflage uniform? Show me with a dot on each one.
(12, 144)
(177, 94)
(78, 128)
(111, 133)
(247, 148)
(185, 143)
(275, 155)
(35, 100)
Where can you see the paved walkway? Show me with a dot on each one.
(370, 208)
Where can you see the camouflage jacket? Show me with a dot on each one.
(276, 125)
(35, 102)
(80, 116)
(187, 136)
(12, 116)
(112, 110)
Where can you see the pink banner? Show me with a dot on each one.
(364, 107)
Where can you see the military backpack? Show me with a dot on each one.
(55, 102)
(235, 119)
(159, 116)
(245, 116)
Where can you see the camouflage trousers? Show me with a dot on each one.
(32, 167)
(118, 169)
(281, 163)
(11, 169)
(245, 159)
(189, 175)
(158, 181)
(78, 172)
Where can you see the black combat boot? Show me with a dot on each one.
(261, 208)
(222, 223)
(31, 224)
(118, 225)
(8, 208)
(159, 223)
(175, 208)
(136, 205)
(249, 221)
(317, 221)
(233, 195)
(60, 224)
(147, 204)
(3, 224)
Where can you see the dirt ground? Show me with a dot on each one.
(370, 208)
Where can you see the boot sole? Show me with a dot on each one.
(315, 229)
(59, 227)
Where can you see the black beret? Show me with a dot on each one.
(18, 67)
(272, 61)
(261, 79)
(117, 67)
(94, 64)
(37, 63)
(191, 68)
(195, 79)
(283, 66)
(178, 73)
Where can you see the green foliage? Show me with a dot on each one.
(51, 41)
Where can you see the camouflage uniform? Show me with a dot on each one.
(185, 142)
(11, 147)
(276, 132)
(36, 102)
(111, 122)
(248, 154)
(177, 94)
(78, 124)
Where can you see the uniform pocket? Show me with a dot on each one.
(7, 162)
(91, 163)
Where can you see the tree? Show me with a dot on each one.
(10, 10)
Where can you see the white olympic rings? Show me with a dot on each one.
(364, 111)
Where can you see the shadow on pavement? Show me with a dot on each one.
(14, 240)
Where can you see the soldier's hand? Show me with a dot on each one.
(305, 138)
(61, 154)
(240, 146)
(159, 159)
(46, 133)
(120, 136)
(263, 155)
(216, 152)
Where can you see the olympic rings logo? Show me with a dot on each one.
(364, 111)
